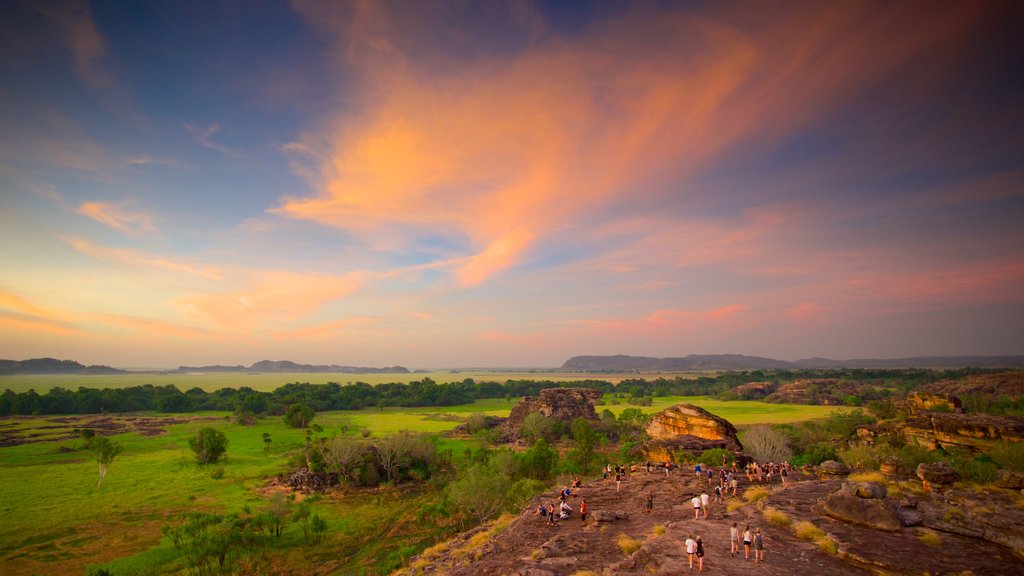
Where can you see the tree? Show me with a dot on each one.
(209, 445)
(584, 442)
(299, 415)
(342, 455)
(105, 451)
(536, 425)
(539, 460)
(481, 492)
(765, 444)
(393, 452)
(266, 441)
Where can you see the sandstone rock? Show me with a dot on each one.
(845, 505)
(833, 468)
(869, 489)
(937, 475)
(754, 390)
(891, 467)
(564, 404)
(610, 515)
(919, 400)
(975, 432)
(1010, 480)
(687, 427)
(909, 516)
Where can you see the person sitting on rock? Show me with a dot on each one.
(542, 511)
(566, 511)
(576, 482)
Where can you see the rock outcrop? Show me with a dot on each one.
(930, 401)
(832, 469)
(754, 390)
(862, 503)
(975, 432)
(687, 427)
(564, 404)
(937, 476)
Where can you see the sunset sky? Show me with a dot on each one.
(509, 184)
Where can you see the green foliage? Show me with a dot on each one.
(536, 425)
(209, 445)
(980, 470)
(538, 461)
(713, 457)
(480, 493)
(1009, 455)
(816, 454)
(842, 424)
(584, 444)
(105, 450)
(266, 441)
(298, 415)
(882, 409)
(477, 421)
(213, 543)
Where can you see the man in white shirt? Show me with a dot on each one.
(704, 500)
(696, 507)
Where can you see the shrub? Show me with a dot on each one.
(866, 477)
(756, 493)
(209, 445)
(713, 457)
(978, 470)
(930, 538)
(298, 415)
(805, 530)
(733, 505)
(659, 530)
(627, 544)
(777, 517)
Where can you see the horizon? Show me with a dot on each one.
(509, 184)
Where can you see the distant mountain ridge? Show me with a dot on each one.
(696, 362)
(53, 366)
(289, 366)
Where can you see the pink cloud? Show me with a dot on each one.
(115, 216)
(140, 259)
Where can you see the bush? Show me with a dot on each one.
(1009, 455)
(777, 517)
(756, 493)
(713, 457)
(627, 544)
(209, 445)
(298, 415)
(930, 538)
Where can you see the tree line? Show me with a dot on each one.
(419, 393)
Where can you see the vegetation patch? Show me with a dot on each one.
(776, 516)
(867, 477)
(756, 493)
(930, 538)
(627, 544)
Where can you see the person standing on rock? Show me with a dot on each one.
(551, 514)
(734, 540)
(696, 507)
(700, 555)
(758, 546)
(704, 501)
(649, 504)
(697, 470)
(710, 475)
(718, 493)
(746, 542)
(691, 549)
(668, 466)
(784, 474)
(583, 512)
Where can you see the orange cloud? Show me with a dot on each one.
(139, 259)
(505, 152)
(78, 30)
(271, 296)
(325, 331)
(152, 327)
(116, 217)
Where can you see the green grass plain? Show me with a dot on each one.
(267, 382)
(55, 520)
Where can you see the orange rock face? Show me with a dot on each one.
(690, 428)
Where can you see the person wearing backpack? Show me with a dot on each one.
(758, 546)
(700, 555)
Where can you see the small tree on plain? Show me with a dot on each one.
(299, 415)
(105, 451)
(209, 445)
(266, 441)
(393, 452)
(343, 455)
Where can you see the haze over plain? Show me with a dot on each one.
(509, 184)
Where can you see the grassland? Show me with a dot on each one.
(266, 382)
(55, 520)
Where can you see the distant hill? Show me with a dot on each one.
(53, 366)
(697, 362)
(289, 366)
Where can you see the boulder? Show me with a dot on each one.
(846, 505)
(610, 515)
(689, 420)
(891, 467)
(830, 468)
(754, 390)
(869, 489)
(930, 401)
(937, 475)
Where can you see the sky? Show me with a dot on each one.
(509, 184)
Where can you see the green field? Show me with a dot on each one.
(55, 520)
(267, 382)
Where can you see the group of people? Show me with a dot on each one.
(764, 472)
(751, 540)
